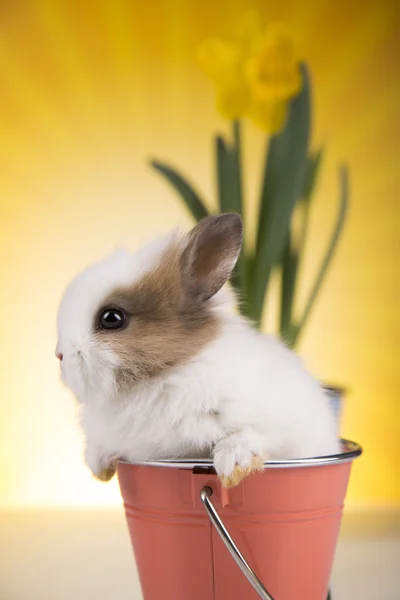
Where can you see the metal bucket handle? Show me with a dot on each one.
(243, 565)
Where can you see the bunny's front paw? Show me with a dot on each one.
(101, 469)
(237, 456)
(106, 473)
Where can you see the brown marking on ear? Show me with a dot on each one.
(164, 328)
(210, 255)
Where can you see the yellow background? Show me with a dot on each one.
(89, 92)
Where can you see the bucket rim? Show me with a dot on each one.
(351, 450)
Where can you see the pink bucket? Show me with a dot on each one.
(280, 527)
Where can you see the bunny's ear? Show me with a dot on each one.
(210, 255)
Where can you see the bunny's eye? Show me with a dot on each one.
(112, 318)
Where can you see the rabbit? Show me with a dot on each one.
(162, 366)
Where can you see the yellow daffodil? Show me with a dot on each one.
(256, 72)
(223, 62)
(268, 116)
(273, 70)
(233, 99)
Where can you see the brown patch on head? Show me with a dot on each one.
(169, 316)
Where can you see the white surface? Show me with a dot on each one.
(86, 555)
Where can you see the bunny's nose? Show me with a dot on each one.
(59, 356)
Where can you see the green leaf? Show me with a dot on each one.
(191, 198)
(312, 170)
(290, 263)
(313, 163)
(310, 179)
(230, 193)
(292, 256)
(340, 221)
(282, 186)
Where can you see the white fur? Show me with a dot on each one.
(243, 394)
(87, 367)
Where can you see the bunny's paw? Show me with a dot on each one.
(238, 456)
(101, 469)
(106, 473)
(240, 472)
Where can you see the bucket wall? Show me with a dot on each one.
(285, 521)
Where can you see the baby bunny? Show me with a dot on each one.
(162, 368)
